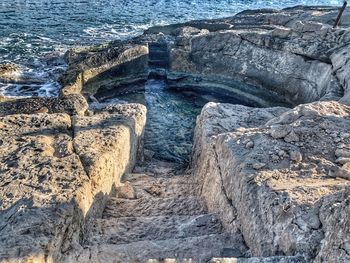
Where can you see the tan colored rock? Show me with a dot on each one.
(9, 72)
(279, 208)
(126, 191)
(216, 119)
(53, 180)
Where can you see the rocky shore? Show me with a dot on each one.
(268, 183)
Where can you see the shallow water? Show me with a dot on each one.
(171, 117)
(35, 33)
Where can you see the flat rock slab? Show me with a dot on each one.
(199, 249)
(162, 187)
(51, 177)
(118, 207)
(71, 104)
(132, 229)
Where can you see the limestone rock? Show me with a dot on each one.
(94, 67)
(216, 119)
(294, 52)
(71, 104)
(53, 180)
(278, 208)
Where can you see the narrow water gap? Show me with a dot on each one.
(171, 117)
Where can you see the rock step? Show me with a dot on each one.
(199, 249)
(118, 207)
(296, 259)
(133, 229)
(146, 185)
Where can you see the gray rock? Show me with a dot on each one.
(278, 207)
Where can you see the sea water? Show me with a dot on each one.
(35, 33)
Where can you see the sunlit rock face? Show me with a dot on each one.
(280, 176)
(294, 52)
(56, 173)
(276, 179)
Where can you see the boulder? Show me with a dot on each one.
(56, 173)
(100, 66)
(287, 197)
(9, 72)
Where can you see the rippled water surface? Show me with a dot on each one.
(35, 33)
(171, 117)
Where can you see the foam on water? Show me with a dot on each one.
(35, 34)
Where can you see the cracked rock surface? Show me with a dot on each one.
(54, 179)
(288, 191)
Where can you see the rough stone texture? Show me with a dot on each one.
(73, 104)
(149, 228)
(9, 72)
(282, 189)
(54, 179)
(95, 67)
(214, 120)
(132, 229)
(293, 52)
(148, 207)
(287, 57)
(334, 215)
(199, 249)
(259, 260)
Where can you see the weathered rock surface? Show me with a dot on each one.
(9, 72)
(216, 119)
(287, 57)
(104, 67)
(272, 183)
(56, 171)
(286, 192)
(293, 52)
(259, 260)
(73, 104)
(152, 227)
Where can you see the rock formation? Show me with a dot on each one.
(56, 173)
(265, 184)
(279, 176)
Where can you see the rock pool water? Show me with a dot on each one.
(171, 118)
(35, 34)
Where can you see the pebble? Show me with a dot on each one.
(291, 137)
(279, 132)
(281, 153)
(249, 145)
(296, 156)
(343, 160)
(340, 152)
(344, 136)
(258, 166)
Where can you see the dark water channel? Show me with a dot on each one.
(171, 117)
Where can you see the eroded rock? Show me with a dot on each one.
(278, 205)
(73, 104)
(56, 174)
